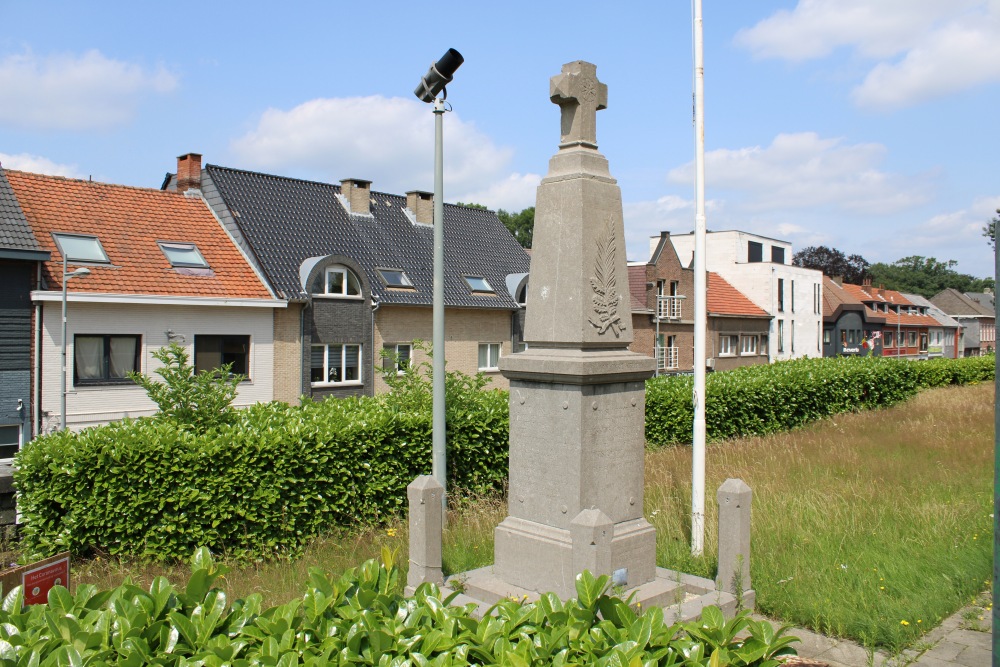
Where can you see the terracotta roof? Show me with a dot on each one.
(724, 299)
(15, 234)
(129, 221)
(637, 287)
(835, 295)
(872, 296)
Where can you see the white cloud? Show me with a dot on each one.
(389, 141)
(74, 92)
(805, 171)
(38, 165)
(646, 219)
(924, 48)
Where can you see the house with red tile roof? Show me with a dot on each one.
(906, 332)
(662, 299)
(145, 268)
(849, 327)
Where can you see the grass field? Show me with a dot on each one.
(873, 526)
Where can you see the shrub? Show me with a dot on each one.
(359, 618)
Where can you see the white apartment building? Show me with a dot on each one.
(761, 268)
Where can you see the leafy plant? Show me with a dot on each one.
(198, 401)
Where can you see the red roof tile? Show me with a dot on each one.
(876, 295)
(724, 299)
(129, 222)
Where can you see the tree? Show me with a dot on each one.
(197, 401)
(925, 276)
(521, 225)
(832, 262)
(990, 230)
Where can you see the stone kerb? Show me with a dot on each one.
(734, 498)
(426, 524)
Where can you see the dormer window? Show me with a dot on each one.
(81, 248)
(183, 255)
(478, 284)
(341, 281)
(396, 278)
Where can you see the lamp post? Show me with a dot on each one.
(65, 279)
(431, 85)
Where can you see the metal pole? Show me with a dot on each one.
(700, 297)
(62, 393)
(996, 473)
(440, 457)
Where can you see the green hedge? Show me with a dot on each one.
(360, 619)
(757, 400)
(276, 476)
(260, 486)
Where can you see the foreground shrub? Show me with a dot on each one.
(360, 619)
(756, 400)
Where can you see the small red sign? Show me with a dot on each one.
(37, 582)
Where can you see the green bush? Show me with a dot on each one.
(756, 400)
(360, 619)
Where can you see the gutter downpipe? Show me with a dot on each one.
(37, 380)
(375, 306)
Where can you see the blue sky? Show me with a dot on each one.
(867, 126)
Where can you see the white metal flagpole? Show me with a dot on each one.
(700, 297)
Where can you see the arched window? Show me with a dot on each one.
(341, 281)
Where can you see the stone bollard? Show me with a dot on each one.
(734, 536)
(426, 523)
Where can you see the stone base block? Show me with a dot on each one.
(535, 557)
(682, 596)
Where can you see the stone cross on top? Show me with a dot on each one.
(580, 96)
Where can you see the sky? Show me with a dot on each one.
(869, 126)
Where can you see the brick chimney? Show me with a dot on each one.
(189, 172)
(838, 280)
(421, 204)
(358, 194)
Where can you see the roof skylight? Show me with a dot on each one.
(395, 278)
(478, 284)
(183, 254)
(81, 248)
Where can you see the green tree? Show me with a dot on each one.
(832, 262)
(925, 276)
(521, 225)
(198, 401)
(990, 230)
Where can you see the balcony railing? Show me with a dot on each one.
(666, 358)
(669, 307)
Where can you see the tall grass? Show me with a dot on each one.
(860, 522)
(874, 526)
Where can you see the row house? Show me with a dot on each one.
(849, 327)
(355, 268)
(906, 332)
(978, 321)
(662, 295)
(761, 268)
(942, 340)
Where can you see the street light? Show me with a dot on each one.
(65, 279)
(431, 85)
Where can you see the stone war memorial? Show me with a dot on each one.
(577, 407)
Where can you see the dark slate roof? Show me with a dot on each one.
(287, 221)
(16, 237)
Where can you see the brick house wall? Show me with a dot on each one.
(740, 327)
(288, 385)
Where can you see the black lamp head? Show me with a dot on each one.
(439, 75)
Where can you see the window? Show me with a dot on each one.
(911, 338)
(183, 254)
(817, 300)
(923, 342)
(781, 335)
(850, 336)
(341, 281)
(489, 356)
(104, 358)
(397, 357)
(478, 284)
(826, 335)
(395, 278)
(819, 330)
(793, 296)
(763, 344)
(755, 252)
(777, 255)
(10, 441)
(727, 345)
(887, 339)
(791, 334)
(212, 352)
(781, 295)
(748, 345)
(335, 364)
(79, 248)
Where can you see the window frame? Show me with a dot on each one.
(777, 254)
(781, 295)
(744, 351)
(392, 356)
(755, 252)
(469, 280)
(492, 364)
(348, 276)
(106, 378)
(59, 236)
(222, 342)
(343, 365)
(404, 283)
(888, 339)
(182, 246)
(727, 348)
(17, 444)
